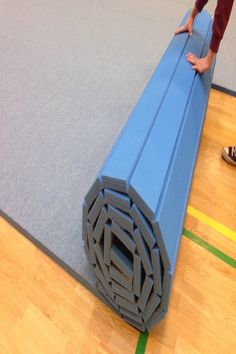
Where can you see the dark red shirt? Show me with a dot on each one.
(221, 18)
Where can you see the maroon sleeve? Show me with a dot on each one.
(200, 4)
(221, 18)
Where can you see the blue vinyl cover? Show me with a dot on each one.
(126, 150)
(152, 168)
(171, 222)
(166, 164)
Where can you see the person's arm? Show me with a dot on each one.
(221, 18)
(200, 4)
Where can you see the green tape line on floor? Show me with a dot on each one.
(215, 251)
(142, 342)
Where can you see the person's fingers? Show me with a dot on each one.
(185, 28)
(190, 54)
(191, 58)
(180, 30)
(177, 31)
(192, 61)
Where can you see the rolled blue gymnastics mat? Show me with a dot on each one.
(133, 214)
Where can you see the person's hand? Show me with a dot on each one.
(201, 65)
(187, 27)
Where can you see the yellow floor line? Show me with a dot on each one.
(223, 230)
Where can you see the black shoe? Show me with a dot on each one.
(229, 154)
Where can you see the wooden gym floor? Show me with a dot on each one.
(44, 310)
